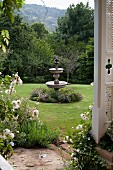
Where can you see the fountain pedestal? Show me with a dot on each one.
(56, 84)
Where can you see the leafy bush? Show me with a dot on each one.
(51, 96)
(106, 141)
(37, 79)
(19, 123)
(85, 156)
(6, 144)
(35, 134)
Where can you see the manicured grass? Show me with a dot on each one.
(56, 115)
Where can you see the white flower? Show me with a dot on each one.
(72, 154)
(13, 83)
(15, 117)
(64, 141)
(78, 150)
(0, 73)
(90, 107)
(16, 107)
(75, 159)
(35, 113)
(12, 135)
(71, 141)
(67, 137)
(11, 143)
(84, 117)
(92, 84)
(87, 113)
(1, 136)
(18, 102)
(8, 91)
(4, 137)
(16, 75)
(14, 102)
(19, 81)
(79, 127)
(13, 90)
(6, 131)
(17, 131)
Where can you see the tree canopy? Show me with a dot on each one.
(78, 20)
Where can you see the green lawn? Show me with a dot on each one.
(63, 116)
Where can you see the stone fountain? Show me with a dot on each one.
(56, 84)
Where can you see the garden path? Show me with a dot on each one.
(51, 158)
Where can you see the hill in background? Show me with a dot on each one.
(37, 13)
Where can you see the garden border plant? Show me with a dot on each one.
(66, 95)
(19, 123)
(85, 155)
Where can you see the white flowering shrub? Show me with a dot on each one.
(19, 123)
(85, 156)
(7, 135)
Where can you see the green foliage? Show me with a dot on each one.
(52, 96)
(85, 156)
(6, 136)
(4, 40)
(19, 123)
(35, 133)
(16, 114)
(31, 48)
(78, 20)
(84, 72)
(39, 53)
(6, 149)
(40, 30)
(73, 43)
(9, 6)
(106, 141)
(56, 115)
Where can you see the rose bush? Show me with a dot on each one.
(19, 123)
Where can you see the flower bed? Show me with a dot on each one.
(66, 95)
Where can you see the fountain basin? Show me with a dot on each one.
(56, 70)
(61, 84)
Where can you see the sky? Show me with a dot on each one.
(61, 4)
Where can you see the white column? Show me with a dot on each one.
(99, 110)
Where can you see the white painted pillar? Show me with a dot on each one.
(99, 111)
(103, 77)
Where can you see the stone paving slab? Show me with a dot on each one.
(37, 159)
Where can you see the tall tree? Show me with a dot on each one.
(28, 55)
(85, 69)
(40, 29)
(78, 20)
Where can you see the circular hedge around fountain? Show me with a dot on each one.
(47, 95)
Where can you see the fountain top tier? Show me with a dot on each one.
(56, 84)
